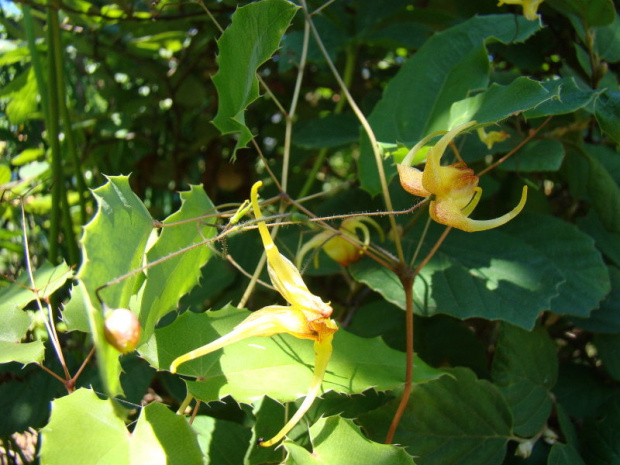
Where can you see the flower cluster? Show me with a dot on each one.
(453, 189)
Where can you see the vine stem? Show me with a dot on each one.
(367, 129)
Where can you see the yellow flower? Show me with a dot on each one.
(530, 7)
(490, 138)
(336, 246)
(454, 189)
(307, 317)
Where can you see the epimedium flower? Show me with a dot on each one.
(336, 246)
(492, 137)
(453, 189)
(306, 317)
(530, 7)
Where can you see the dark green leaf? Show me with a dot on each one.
(591, 12)
(537, 155)
(247, 43)
(608, 347)
(562, 454)
(449, 66)
(456, 419)
(607, 111)
(571, 98)
(606, 319)
(330, 131)
(223, 442)
(525, 368)
(600, 439)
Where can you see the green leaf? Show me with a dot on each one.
(449, 66)
(279, 367)
(591, 12)
(603, 192)
(563, 454)
(85, 429)
(331, 131)
(585, 276)
(457, 419)
(250, 40)
(499, 102)
(74, 313)
(47, 279)
(607, 112)
(223, 442)
(23, 103)
(525, 368)
(109, 253)
(489, 274)
(608, 347)
(536, 155)
(601, 436)
(336, 440)
(167, 282)
(24, 353)
(607, 242)
(571, 98)
(605, 319)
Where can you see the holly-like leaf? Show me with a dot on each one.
(250, 40)
(168, 281)
(336, 440)
(25, 352)
(525, 368)
(280, 366)
(113, 243)
(571, 98)
(457, 419)
(85, 429)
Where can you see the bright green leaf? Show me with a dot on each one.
(279, 367)
(24, 353)
(167, 282)
(336, 440)
(525, 368)
(109, 253)
(250, 40)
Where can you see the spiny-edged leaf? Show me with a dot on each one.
(591, 12)
(73, 313)
(161, 437)
(607, 111)
(250, 40)
(571, 98)
(449, 66)
(499, 102)
(25, 352)
(168, 281)
(537, 155)
(85, 429)
(247, 370)
(336, 440)
(223, 442)
(605, 319)
(586, 279)
(457, 419)
(113, 244)
(525, 368)
(488, 274)
(47, 279)
(563, 454)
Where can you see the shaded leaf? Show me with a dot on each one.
(562, 454)
(456, 419)
(536, 155)
(525, 368)
(247, 43)
(339, 441)
(223, 442)
(591, 12)
(331, 131)
(605, 319)
(449, 66)
(607, 111)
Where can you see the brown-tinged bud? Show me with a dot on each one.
(122, 330)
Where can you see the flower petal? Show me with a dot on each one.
(411, 180)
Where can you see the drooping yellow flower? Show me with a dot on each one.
(336, 246)
(453, 189)
(530, 7)
(307, 317)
